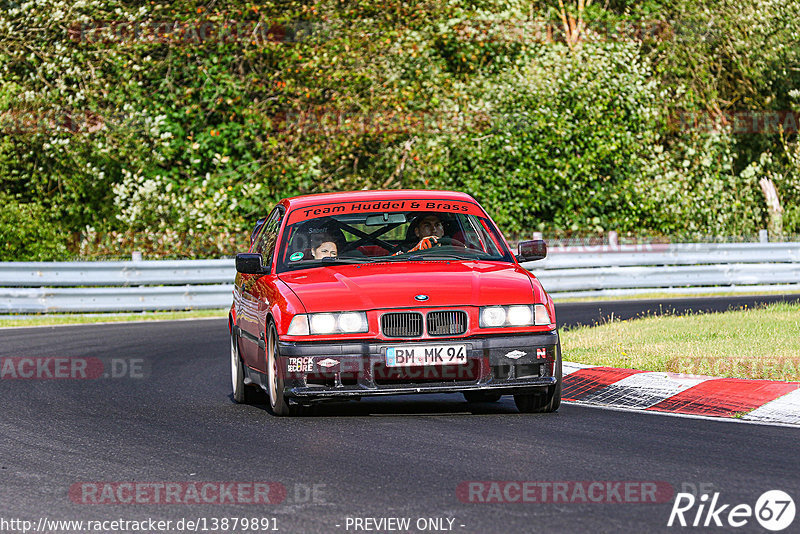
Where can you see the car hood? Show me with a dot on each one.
(394, 285)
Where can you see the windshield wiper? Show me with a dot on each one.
(328, 261)
(438, 256)
(383, 259)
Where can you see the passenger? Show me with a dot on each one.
(323, 246)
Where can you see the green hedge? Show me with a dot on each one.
(109, 136)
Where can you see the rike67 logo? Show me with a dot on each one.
(774, 510)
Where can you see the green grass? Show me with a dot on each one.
(41, 320)
(762, 342)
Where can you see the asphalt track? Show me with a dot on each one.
(398, 457)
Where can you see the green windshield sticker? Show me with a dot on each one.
(297, 256)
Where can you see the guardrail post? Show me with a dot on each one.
(763, 236)
(136, 256)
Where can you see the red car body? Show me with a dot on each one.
(443, 299)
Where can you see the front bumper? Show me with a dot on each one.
(502, 364)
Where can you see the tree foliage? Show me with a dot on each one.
(191, 129)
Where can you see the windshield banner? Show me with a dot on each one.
(372, 206)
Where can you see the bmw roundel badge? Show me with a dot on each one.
(421, 298)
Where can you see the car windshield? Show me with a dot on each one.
(393, 236)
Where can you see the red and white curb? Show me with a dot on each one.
(766, 401)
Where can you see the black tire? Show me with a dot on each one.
(546, 401)
(481, 396)
(275, 385)
(242, 393)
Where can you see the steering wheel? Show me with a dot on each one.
(450, 242)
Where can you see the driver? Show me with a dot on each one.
(429, 229)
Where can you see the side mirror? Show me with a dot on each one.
(249, 263)
(532, 250)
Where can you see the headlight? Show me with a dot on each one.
(328, 323)
(493, 316)
(515, 315)
(352, 322)
(519, 315)
(323, 323)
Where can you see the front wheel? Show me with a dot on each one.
(546, 401)
(242, 393)
(277, 400)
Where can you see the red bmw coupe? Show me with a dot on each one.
(347, 295)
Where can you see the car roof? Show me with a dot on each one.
(387, 194)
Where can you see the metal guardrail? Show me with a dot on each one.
(39, 287)
(663, 254)
(115, 299)
(116, 273)
(44, 287)
(679, 268)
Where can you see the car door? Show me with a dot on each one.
(254, 294)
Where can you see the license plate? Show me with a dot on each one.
(412, 355)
